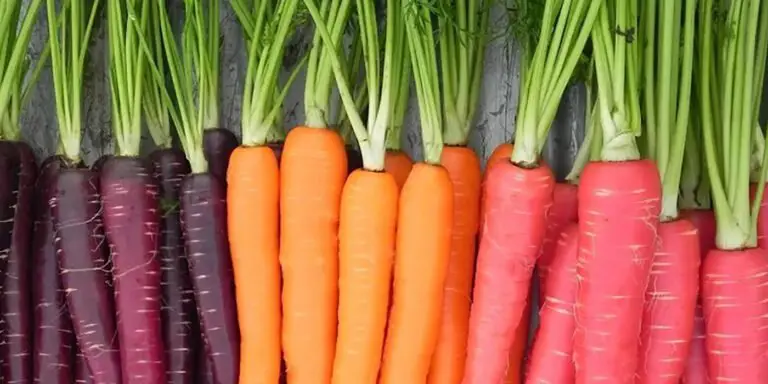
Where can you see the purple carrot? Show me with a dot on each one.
(99, 163)
(54, 341)
(180, 326)
(16, 346)
(204, 221)
(85, 270)
(354, 159)
(129, 194)
(218, 144)
(10, 167)
(204, 371)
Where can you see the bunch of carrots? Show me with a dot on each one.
(326, 254)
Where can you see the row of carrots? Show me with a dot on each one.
(327, 255)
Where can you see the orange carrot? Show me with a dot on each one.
(253, 214)
(399, 164)
(463, 168)
(313, 169)
(421, 261)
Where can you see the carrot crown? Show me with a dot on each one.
(381, 76)
(14, 65)
(320, 67)
(266, 25)
(155, 110)
(731, 65)
(667, 67)
(69, 33)
(694, 180)
(564, 33)
(126, 72)
(194, 63)
(463, 38)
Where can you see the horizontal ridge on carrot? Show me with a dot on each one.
(734, 275)
(518, 193)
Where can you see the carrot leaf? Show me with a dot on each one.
(564, 32)
(69, 45)
(126, 72)
(155, 110)
(267, 26)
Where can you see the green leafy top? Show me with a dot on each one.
(126, 70)
(564, 32)
(267, 25)
(155, 110)
(14, 65)
(381, 76)
(729, 65)
(668, 71)
(319, 81)
(70, 33)
(463, 36)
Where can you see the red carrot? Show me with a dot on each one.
(518, 197)
(551, 357)
(565, 209)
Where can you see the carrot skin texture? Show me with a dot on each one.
(253, 212)
(518, 354)
(15, 301)
(9, 172)
(132, 224)
(398, 164)
(218, 144)
(424, 222)
(53, 340)
(564, 211)
(178, 312)
(354, 159)
(82, 376)
(696, 368)
(85, 270)
(366, 253)
(618, 221)
(734, 285)
(670, 304)
(552, 354)
(463, 168)
(517, 202)
(313, 169)
(204, 224)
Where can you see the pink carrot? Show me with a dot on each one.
(696, 368)
(552, 355)
(565, 210)
(670, 305)
(619, 206)
(517, 201)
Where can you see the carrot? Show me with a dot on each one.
(518, 196)
(734, 276)
(462, 49)
(564, 211)
(399, 165)
(253, 198)
(309, 216)
(502, 152)
(518, 353)
(672, 291)
(551, 356)
(218, 144)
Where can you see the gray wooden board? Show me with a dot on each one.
(495, 121)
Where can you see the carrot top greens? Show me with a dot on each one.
(14, 65)
(320, 67)
(267, 25)
(126, 72)
(69, 45)
(564, 32)
(463, 36)
(667, 67)
(155, 110)
(381, 76)
(729, 67)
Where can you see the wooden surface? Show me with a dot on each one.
(495, 121)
